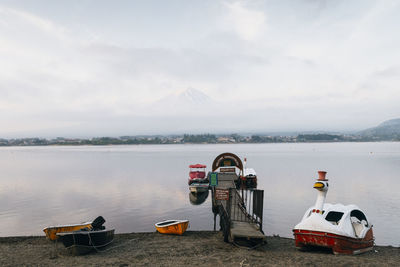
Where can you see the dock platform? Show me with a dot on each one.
(240, 211)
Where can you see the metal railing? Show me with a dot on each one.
(246, 206)
(225, 222)
(242, 205)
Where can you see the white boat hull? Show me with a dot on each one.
(197, 188)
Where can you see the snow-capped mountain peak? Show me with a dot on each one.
(193, 96)
(189, 101)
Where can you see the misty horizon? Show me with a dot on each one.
(198, 132)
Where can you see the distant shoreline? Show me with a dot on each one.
(195, 139)
(97, 145)
(111, 144)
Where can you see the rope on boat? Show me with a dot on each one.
(107, 249)
(101, 250)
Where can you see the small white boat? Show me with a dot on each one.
(248, 179)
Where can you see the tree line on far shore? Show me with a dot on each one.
(193, 139)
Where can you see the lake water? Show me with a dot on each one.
(134, 187)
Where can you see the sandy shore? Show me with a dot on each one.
(203, 248)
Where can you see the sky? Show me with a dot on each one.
(109, 68)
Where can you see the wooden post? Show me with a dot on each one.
(215, 219)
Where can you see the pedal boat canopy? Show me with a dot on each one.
(197, 166)
(197, 173)
(337, 219)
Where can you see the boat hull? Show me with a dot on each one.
(198, 188)
(198, 180)
(51, 232)
(83, 242)
(339, 244)
(172, 227)
(198, 198)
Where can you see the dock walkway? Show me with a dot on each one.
(236, 218)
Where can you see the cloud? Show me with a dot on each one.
(247, 23)
(25, 18)
(255, 59)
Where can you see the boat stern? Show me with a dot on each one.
(339, 244)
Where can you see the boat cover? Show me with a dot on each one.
(317, 222)
(197, 166)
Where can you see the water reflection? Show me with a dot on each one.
(134, 187)
(198, 198)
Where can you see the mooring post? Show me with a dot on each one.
(215, 220)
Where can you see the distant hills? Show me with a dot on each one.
(387, 130)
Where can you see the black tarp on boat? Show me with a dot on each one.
(87, 240)
(82, 242)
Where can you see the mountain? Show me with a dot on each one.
(188, 102)
(390, 123)
(387, 130)
(193, 96)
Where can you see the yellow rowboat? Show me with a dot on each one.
(51, 232)
(176, 227)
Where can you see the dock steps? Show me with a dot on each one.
(246, 230)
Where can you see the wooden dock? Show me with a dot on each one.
(246, 230)
(237, 219)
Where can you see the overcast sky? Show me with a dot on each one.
(95, 68)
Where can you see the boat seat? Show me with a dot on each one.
(197, 174)
(358, 229)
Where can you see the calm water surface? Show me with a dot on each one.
(134, 187)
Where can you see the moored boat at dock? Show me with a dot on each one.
(198, 187)
(198, 180)
(197, 174)
(248, 179)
